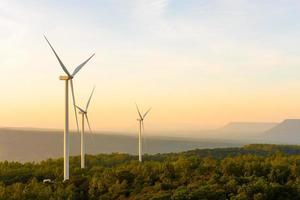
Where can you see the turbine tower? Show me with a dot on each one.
(83, 113)
(141, 128)
(68, 78)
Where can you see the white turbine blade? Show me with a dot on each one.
(88, 103)
(146, 113)
(74, 104)
(138, 111)
(80, 108)
(81, 65)
(88, 122)
(60, 62)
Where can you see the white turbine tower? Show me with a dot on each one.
(68, 78)
(84, 115)
(141, 128)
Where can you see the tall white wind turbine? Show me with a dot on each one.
(68, 78)
(84, 116)
(141, 129)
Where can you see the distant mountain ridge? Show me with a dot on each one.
(287, 131)
(248, 127)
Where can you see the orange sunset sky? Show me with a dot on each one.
(198, 64)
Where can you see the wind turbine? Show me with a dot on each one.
(141, 128)
(83, 113)
(68, 78)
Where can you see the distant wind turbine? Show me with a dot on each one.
(68, 78)
(83, 113)
(141, 129)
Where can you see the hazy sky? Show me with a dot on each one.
(198, 63)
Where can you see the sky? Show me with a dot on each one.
(199, 64)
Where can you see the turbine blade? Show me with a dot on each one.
(88, 122)
(88, 103)
(81, 65)
(74, 104)
(138, 111)
(79, 108)
(146, 113)
(60, 62)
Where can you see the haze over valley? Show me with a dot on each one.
(39, 144)
(36, 145)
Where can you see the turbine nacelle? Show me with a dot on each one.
(65, 78)
(81, 111)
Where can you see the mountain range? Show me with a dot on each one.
(285, 132)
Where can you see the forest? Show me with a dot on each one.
(257, 171)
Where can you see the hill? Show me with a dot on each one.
(251, 132)
(287, 131)
(247, 127)
(251, 149)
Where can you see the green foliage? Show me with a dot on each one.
(257, 172)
